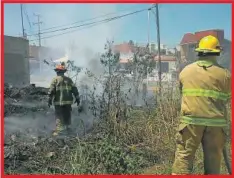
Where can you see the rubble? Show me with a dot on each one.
(13, 96)
(17, 93)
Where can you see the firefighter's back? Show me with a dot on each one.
(206, 88)
(63, 94)
(209, 80)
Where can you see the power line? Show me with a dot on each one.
(85, 20)
(113, 18)
(91, 23)
(85, 27)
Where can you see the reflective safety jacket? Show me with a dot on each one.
(206, 88)
(62, 90)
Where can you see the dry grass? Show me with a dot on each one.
(141, 144)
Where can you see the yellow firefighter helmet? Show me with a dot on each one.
(209, 44)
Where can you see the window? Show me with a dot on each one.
(122, 66)
(164, 67)
(193, 46)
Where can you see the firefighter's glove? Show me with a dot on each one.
(80, 109)
(49, 102)
(77, 101)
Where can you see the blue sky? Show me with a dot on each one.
(175, 21)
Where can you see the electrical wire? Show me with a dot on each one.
(85, 20)
(85, 27)
(34, 33)
(89, 24)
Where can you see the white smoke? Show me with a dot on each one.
(85, 42)
(92, 38)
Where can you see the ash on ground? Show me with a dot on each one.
(29, 123)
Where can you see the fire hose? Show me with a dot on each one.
(226, 160)
(225, 151)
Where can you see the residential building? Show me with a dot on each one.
(190, 41)
(168, 63)
(126, 52)
(165, 50)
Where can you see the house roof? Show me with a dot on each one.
(123, 61)
(188, 38)
(199, 35)
(194, 38)
(123, 48)
(126, 48)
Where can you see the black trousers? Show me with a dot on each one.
(63, 114)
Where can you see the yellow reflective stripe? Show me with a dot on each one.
(63, 102)
(64, 88)
(218, 122)
(206, 93)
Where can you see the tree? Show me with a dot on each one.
(143, 63)
(112, 102)
(73, 70)
(110, 59)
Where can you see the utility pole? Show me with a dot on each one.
(22, 19)
(39, 27)
(159, 51)
(39, 37)
(149, 47)
(148, 33)
(178, 55)
(174, 74)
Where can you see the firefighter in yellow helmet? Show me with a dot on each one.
(205, 88)
(61, 93)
